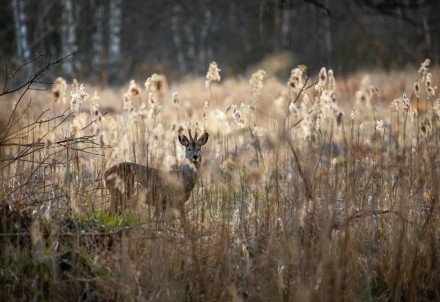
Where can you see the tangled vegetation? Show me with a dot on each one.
(312, 190)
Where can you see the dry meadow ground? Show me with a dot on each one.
(319, 188)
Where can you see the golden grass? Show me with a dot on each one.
(295, 202)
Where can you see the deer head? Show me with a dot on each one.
(193, 146)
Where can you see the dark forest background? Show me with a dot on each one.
(113, 40)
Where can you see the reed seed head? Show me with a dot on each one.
(406, 104)
(256, 82)
(157, 84)
(296, 77)
(436, 107)
(59, 90)
(176, 99)
(331, 84)
(78, 96)
(380, 127)
(323, 76)
(133, 89)
(424, 67)
(430, 90)
(416, 89)
(213, 74)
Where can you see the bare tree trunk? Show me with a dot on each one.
(68, 36)
(285, 26)
(234, 12)
(23, 51)
(177, 40)
(213, 27)
(426, 32)
(98, 39)
(204, 50)
(327, 35)
(115, 26)
(263, 9)
(268, 25)
(191, 48)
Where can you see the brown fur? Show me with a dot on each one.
(160, 188)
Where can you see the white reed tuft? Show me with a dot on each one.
(256, 82)
(213, 74)
(79, 95)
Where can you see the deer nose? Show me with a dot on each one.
(195, 157)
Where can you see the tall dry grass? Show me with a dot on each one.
(316, 188)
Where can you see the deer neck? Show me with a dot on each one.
(189, 175)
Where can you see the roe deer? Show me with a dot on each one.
(156, 187)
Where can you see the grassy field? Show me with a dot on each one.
(315, 188)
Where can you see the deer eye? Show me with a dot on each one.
(198, 149)
(189, 149)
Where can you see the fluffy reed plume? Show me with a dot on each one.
(305, 103)
(328, 107)
(152, 99)
(323, 77)
(127, 104)
(416, 89)
(380, 127)
(133, 89)
(59, 90)
(78, 96)
(406, 104)
(293, 110)
(296, 80)
(339, 116)
(205, 109)
(436, 107)
(157, 85)
(354, 113)
(426, 126)
(176, 99)
(319, 88)
(95, 114)
(307, 126)
(430, 90)
(256, 82)
(365, 95)
(236, 113)
(213, 74)
(423, 70)
(331, 84)
(318, 122)
(134, 93)
(362, 111)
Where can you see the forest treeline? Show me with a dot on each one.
(113, 39)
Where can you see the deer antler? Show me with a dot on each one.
(190, 136)
(197, 134)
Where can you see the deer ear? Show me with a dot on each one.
(203, 139)
(183, 140)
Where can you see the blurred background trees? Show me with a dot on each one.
(114, 39)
